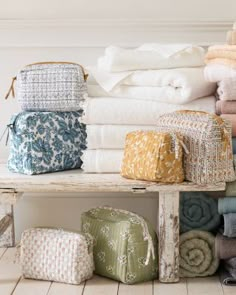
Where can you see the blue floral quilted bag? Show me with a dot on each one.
(44, 142)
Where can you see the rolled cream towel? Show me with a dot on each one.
(197, 254)
(198, 211)
(226, 107)
(231, 37)
(225, 247)
(232, 119)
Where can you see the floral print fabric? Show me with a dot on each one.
(45, 142)
(153, 156)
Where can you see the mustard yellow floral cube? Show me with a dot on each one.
(153, 156)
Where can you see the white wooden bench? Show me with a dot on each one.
(13, 185)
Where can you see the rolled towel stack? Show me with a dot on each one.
(221, 69)
(130, 88)
(226, 242)
(199, 219)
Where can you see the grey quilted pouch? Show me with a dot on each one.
(50, 86)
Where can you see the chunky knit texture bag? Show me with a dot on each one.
(56, 255)
(50, 86)
(153, 156)
(208, 140)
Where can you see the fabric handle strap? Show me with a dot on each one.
(4, 132)
(11, 89)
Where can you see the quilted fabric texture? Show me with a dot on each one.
(51, 87)
(153, 156)
(125, 245)
(45, 142)
(208, 139)
(55, 255)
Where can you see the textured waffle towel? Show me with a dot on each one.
(198, 211)
(225, 247)
(197, 254)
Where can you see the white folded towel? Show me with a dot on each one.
(217, 72)
(173, 94)
(119, 111)
(151, 56)
(110, 136)
(102, 161)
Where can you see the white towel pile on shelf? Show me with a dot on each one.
(130, 88)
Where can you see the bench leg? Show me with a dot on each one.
(7, 230)
(168, 225)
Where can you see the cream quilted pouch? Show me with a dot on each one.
(153, 156)
(56, 255)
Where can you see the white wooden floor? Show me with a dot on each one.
(11, 282)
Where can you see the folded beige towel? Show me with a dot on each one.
(231, 37)
(221, 61)
(220, 53)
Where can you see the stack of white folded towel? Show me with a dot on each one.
(130, 88)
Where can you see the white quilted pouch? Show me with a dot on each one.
(56, 255)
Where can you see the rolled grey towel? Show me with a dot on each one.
(230, 225)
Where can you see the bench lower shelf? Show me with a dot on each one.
(12, 186)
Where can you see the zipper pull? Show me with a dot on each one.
(6, 130)
(11, 89)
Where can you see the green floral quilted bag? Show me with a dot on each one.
(125, 244)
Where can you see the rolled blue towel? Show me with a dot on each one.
(230, 225)
(227, 205)
(198, 211)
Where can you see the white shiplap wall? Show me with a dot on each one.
(77, 30)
